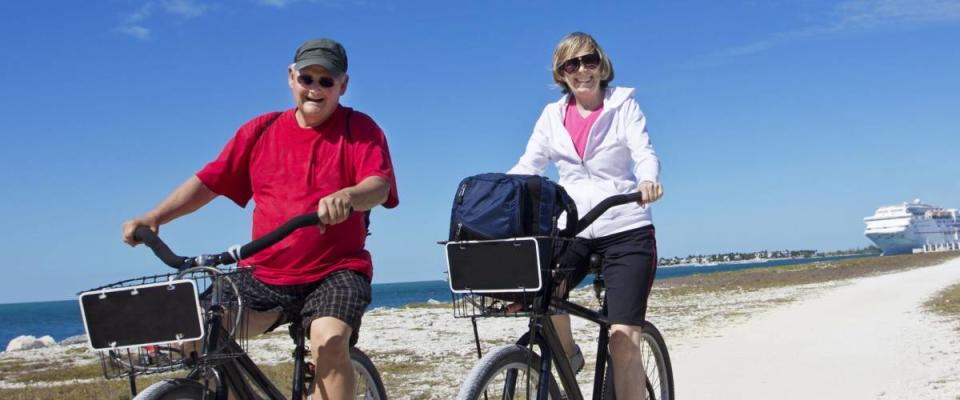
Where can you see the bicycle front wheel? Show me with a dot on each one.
(369, 384)
(175, 389)
(656, 363)
(508, 372)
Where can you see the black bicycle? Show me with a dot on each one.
(489, 278)
(193, 319)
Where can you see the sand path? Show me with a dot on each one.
(866, 340)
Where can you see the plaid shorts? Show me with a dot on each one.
(344, 295)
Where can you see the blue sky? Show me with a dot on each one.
(779, 124)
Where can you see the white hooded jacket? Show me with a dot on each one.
(618, 155)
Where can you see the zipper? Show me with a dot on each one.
(583, 163)
(463, 189)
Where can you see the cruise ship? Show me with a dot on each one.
(903, 228)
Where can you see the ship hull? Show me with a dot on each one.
(892, 244)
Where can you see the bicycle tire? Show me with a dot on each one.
(656, 362)
(510, 359)
(174, 389)
(369, 383)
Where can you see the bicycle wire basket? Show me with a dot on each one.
(209, 285)
(501, 278)
(477, 305)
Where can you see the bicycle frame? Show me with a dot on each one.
(541, 326)
(230, 375)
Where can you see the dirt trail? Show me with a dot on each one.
(870, 339)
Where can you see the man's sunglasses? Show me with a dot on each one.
(307, 81)
(589, 61)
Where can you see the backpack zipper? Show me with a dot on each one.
(463, 189)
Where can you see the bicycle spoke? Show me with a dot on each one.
(513, 382)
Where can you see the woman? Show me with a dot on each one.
(597, 137)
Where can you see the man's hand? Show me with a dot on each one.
(651, 192)
(335, 208)
(130, 226)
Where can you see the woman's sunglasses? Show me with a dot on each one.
(589, 61)
(307, 81)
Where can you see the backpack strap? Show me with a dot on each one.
(533, 199)
(349, 134)
(273, 118)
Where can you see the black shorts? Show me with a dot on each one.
(629, 267)
(343, 294)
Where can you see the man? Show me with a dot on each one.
(319, 156)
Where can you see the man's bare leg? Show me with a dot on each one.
(330, 350)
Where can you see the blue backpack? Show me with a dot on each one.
(500, 206)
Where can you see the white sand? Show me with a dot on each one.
(866, 340)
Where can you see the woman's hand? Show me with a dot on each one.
(651, 191)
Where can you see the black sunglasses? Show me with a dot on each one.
(307, 81)
(589, 61)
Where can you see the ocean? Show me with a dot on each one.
(61, 319)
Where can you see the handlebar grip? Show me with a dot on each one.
(160, 249)
(605, 205)
(278, 234)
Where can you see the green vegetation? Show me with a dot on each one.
(438, 305)
(44, 373)
(49, 374)
(803, 274)
(947, 303)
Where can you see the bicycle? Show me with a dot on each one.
(515, 371)
(218, 362)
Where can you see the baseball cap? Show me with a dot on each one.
(324, 52)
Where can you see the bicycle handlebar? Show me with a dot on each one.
(606, 204)
(160, 249)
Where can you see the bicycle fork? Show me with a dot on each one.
(298, 354)
(599, 376)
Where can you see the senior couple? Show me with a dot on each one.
(321, 156)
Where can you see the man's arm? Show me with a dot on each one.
(369, 193)
(190, 196)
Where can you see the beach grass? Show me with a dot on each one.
(75, 382)
(426, 305)
(947, 303)
(800, 274)
(47, 373)
(98, 390)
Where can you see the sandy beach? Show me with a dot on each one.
(862, 338)
(867, 339)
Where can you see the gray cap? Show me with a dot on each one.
(324, 52)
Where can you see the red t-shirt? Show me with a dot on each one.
(287, 170)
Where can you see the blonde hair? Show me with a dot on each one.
(572, 44)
